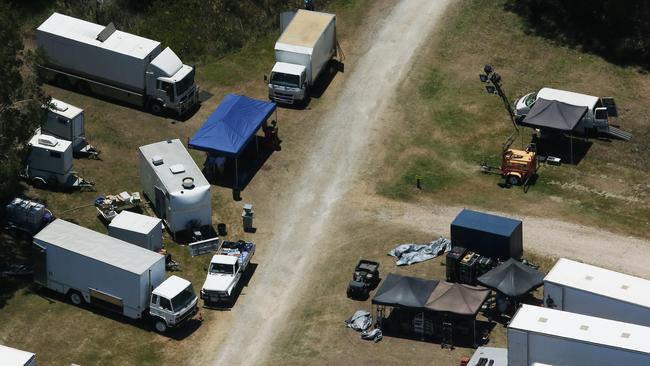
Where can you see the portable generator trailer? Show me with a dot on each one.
(67, 122)
(49, 163)
(27, 216)
(175, 186)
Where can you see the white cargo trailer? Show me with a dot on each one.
(561, 338)
(175, 185)
(302, 53)
(15, 357)
(590, 290)
(66, 121)
(90, 267)
(115, 64)
(141, 230)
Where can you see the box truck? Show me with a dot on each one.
(92, 268)
(303, 51)
(176, 187)
(66, 121)
(115, 64)
(560, 338)
(590, 290)
(15, 357)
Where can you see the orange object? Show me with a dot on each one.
(464, 361)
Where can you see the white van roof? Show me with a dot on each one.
(581, 100)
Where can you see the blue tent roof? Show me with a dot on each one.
(232, 125)
(486, 222)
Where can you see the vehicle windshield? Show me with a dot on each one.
(530, 99)
(183, 299)
(221, 268)
(292, 81)
(186, 83)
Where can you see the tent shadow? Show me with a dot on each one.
(559, 145)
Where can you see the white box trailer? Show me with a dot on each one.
(302, 52)
(67, 122)
(176, 187)
(102, 60)
(15, 357)
(560, 338)
(141, 230)
(590, 290)
(90, 267)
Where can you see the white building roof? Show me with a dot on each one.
(303, 31)
(86, 32)
(64, 109)
(14, 357)
(97, 246)
(49, 142)
(600, 281)
(132, 221)
(584, 328)
(171, 287)
(285, 68)
(568, 97)
(173, 153)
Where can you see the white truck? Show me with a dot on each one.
(66, 121)
(93, 268)
(543, 336)
(115, 64)
(590, 290)
(303, 51)
(15, 357)
(595, 121)
(225, 271)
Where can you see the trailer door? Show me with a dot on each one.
(40, 265)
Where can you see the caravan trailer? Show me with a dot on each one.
(176, 187)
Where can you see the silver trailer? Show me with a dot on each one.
(141, 230)
(90, 267)
(560, 338)
(15, 357)
(302, 53)
(590, 290)
(176, 187)
(66, 121)
(108, 62)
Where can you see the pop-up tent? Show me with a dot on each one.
(231, 127)
(512, 278)
(404, 291)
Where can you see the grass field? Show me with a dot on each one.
(451, 125)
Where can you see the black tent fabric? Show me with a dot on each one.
(551, 114)
(512, 278)
(404, 291)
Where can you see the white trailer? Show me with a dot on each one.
(590, 290)
(90, 267)
(141, 230)
(66, 121)
(15, 357)
(176, 187)
(302, 53)
(108, 62)
(561, 338)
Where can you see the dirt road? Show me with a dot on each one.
(329, 172)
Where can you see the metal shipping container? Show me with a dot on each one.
(488, 235)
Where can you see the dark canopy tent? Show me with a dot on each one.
(553, 115)
(404, 291)
(512, 278)
(230, 128)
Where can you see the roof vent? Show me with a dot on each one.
(584, 327)
(625, 287)
(177, 168)
(188, 182)
(106, 32)
(157, 160)
(542, 319)
(588, 278)
(625, 335)
(46, 140)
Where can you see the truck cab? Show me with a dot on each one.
(288, 83)
(170, 83)
(172, 303)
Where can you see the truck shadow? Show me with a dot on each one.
(561, 146)
(243, 282)
(324, 81)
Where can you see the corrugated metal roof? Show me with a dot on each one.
(600, 281)
(97, 246)
(135, 222)
(173, 152)
(486, 222)
(583, 328)
(86, 32)
(305, 28)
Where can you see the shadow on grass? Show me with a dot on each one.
(243, 282)
(561, 146)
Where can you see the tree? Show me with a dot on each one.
(21, 99)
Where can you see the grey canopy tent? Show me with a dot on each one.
(404, 291)
(512, 278)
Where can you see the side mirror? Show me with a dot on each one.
(266, 79)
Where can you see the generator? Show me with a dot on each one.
(452, 262)
(467, 268)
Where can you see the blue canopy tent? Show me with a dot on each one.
(231, 127)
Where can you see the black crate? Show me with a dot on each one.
(452, 262)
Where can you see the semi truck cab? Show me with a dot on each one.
(172, 303)
(171, 83)
(288, 83)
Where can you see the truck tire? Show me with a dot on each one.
(159, 325)
(83, 87)
(75, 297)
(62, 81)
(156, 107)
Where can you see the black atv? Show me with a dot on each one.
(364, 279)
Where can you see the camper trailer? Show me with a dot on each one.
(176, 187)
(67, 122)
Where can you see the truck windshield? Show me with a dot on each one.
(279, 78)
(217, 268)
(186, 83)
(530, 99)
(183, 299)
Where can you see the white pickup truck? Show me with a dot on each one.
(225, 271)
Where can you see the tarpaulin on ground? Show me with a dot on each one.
(360, 320)
(232, 125)
(551, 114)
(414, 253)
(404, 291)
(512, 278)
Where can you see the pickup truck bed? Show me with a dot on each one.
(240, 248)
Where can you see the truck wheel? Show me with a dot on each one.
(160, 325)
(39, 183)
(83, 87)
(75, 297)
(62, 81)
(513, 180)
(156, 108)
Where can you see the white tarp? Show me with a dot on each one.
(411, 253)
(361, 321)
